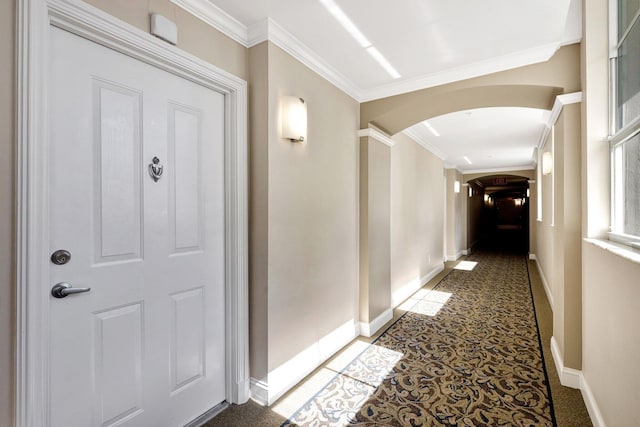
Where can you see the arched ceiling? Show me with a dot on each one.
(472, 140)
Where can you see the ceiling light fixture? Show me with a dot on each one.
(352, 29)
(375, 54)
(467, 160)
(431, 129)
(347, 23)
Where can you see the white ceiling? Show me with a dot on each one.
(428, 42)
(492, 139)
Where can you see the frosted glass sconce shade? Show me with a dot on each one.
(547, 163)
(456, 187)
(293, 118)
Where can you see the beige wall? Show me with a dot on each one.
(474, 207)
(611, 295)
(611, 334)
(544, 228)
(558, 237)
(571, 218)
(417, 202)
(455, 214)
(258, 208)
(194, 35)
(308, 202)
(7, 208)
(595, 119)
(375, 228)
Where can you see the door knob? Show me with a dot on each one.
(62, 289)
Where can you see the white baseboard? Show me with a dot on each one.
(568, 377)
(466, 252)
(454, 257)
(286, 376)
(259, 392)
(575, 379)
(368, 329)
(401, 294)
(532, 256)
(545, 284)
(590, 403)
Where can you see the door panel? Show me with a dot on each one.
(118, 363)
(146, 345)
(117, 173)
(188, 339)
(186, 202)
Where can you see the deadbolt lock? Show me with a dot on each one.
(60, 257)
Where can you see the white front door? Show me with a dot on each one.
(145, 346)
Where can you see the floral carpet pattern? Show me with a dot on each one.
(466, 354)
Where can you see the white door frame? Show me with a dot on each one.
(32, 196)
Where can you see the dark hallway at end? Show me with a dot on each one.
(500, 218)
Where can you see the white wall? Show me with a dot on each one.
(417, 202)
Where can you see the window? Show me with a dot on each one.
(625, 140)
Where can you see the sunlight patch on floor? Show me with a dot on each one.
(304, 391)
(429, 305)
(466, 265)
(346, 355)
(366, 375)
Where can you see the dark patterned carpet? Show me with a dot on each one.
(466, 354)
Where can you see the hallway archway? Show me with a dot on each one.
(533, 86)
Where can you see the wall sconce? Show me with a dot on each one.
(470, 191)
(547, 163)
(456, 187)
(528, 193)
(293, 118)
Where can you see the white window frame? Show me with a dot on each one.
(618, 137)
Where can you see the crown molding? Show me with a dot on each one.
(377, 135)
(268, 29)
(217, 18)
(416, 137)
(294, 47)
(558, 105)
(258, 33)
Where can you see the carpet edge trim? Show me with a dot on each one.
(541, 348)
